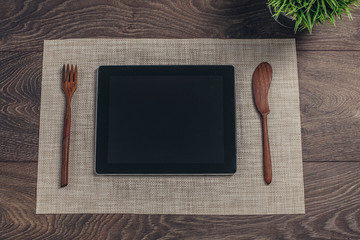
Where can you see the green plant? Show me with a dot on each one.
(306, 13)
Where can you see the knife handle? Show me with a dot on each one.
(267, 156)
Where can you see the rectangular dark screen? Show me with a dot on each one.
(166, 119)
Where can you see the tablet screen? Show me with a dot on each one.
(166, 119)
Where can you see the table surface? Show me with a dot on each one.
(329, 72)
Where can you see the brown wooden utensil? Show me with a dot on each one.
(261, 84)
(68, 85)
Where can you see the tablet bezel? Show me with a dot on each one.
(102, 166)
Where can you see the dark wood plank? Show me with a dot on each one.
(332, 203)
(345, 36)
(20, 85)
(25, 24)
(330, 105)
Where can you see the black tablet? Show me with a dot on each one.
(165, 120)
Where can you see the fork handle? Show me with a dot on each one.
(267, 156)
(66, 146)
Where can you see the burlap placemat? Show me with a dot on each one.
(243, 193)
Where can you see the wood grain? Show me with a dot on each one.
(332, 205)
(25, 24)
(345, 36)
(330, 105)
(20, 86)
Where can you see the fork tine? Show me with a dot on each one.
(76, 75)
(67, 73)
(72, 74)
(64, 74)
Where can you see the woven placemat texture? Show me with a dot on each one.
(243, 193)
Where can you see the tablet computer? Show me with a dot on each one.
(165, 120)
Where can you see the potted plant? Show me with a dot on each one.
(304, 14)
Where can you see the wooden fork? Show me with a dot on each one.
(68, 85)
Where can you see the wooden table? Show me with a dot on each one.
(329, 74)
